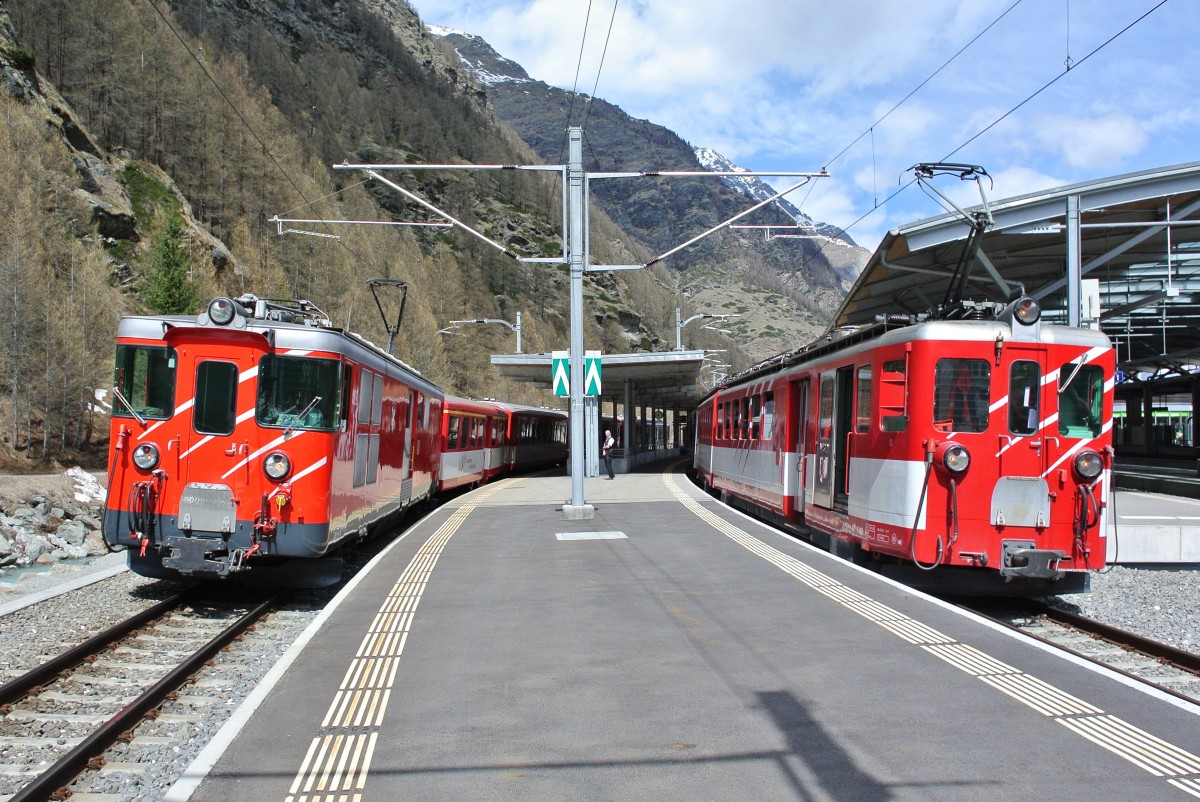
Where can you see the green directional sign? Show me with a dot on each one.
(560, 376)
(591, 373)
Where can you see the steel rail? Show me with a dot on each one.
(54, 779)
(16, 689)
(1118, 637)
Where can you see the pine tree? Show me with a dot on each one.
(167, 288)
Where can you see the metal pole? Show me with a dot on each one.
(517, 329)
(577, 509)
(1074, 258)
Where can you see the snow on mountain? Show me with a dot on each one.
(755, 188)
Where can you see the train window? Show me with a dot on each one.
(452, 422)
(962, 389)
(1080, 400)
(863, 411)
(1024, 386)
(720, 421)
(755, 417)
(893, 396)
(299, 392)
(215, 411)
(744, 428)
(768, 422)
(145, 377)
(377, 400)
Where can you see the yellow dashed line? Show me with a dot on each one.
(1180, 768)
(336, 766)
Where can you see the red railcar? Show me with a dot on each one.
(252, 440)
(973, 455)
(473, 443)
(535, 437)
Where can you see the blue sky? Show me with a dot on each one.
(807, 84)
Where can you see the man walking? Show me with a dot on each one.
(606, 450)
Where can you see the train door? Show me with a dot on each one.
(835, 419)
(798, 415)
(213, 449)
(409, 421)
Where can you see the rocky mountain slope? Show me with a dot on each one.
(784, 289)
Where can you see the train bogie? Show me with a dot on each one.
(973, 455)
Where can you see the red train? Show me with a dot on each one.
(253, 440)
(482, 439)
(972, 455)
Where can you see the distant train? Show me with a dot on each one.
(482, 439)
(971, 455)
(253, 440)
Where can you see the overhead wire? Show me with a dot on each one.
(575, 87)
(995, 122)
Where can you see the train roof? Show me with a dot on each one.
(904, 328)
(281, 335)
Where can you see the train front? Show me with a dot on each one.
(221, 448)
(1017, 460)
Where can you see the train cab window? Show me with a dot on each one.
(1080, 400)
(299, 392)
(862, 420)
(961, 389)
(145, 379)
(1024, 386)
(768, 421)
(215, 411)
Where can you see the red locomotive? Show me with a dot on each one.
(255, 438)
(973, 454)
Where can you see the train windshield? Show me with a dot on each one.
(145, 380)
(962, 388)
(298, 392)
(1080, 400)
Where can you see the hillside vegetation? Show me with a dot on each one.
(148, 147)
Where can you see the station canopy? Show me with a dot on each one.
(1138, 235)
(668, 379)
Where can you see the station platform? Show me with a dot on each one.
(672, 649)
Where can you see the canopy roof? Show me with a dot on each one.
(1148, 272)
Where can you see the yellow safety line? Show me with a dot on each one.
(338, 761)
(1162, 759)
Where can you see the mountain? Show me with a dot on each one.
(784, 289)
(152, 151)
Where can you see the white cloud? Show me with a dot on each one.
(1100, 143)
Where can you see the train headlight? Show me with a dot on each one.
(277, 465)
(222, 311)
(145, 456)
(1088, 465)
(1027, 311)
(954, 457)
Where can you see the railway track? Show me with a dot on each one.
(1173, 671)
(64, 714)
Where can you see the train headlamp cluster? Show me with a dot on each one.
(956, 458)
(222, 311)
(1088, 465)
(145, 456)
(1027, 311)
(277, 465)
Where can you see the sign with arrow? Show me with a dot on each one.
(591, 373)
(560, 376)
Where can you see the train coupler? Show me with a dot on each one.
(194, 556)
(1022, 558)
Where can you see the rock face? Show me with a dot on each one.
(44, 519)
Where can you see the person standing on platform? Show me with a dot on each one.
(606, 450)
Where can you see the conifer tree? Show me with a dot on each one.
(167, 288)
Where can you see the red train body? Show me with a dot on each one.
(255, 438)
(482, 439)
(972, 455)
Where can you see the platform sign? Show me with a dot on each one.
(591, 373)
(560, 376)
(560, 372)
